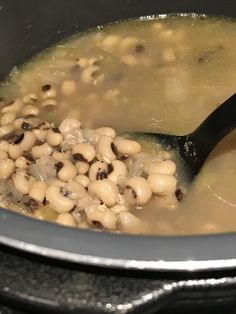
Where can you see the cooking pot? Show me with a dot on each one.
(26, 28)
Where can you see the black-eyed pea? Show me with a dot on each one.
(68, 171)
(30, 110)
(91, 75)
(83, 180)
(126, 147)
(49, 103)
(110, 42)
(60, 156)
(168, 55)
(41, 131)
(22, 163)
(48, 91)
(119, 169)
(117, 209)
(28, 141)
(75, 190)
(15, 151)
(54, 137)
(18, 123)
(57, 201)
(66, 219)
(15, 106)
(162, 184)
(84, 152)
(81, 167)
(104, 149)
(100, 216)
(6, 130)
(105, 190)
(68, 125)
(106, 131)
(68, 87)
(167, 167)
(130, 223)
(3, 154)
(40, 150)
(98, 171)
(37, 190)
(7, 167)
(21, 181)
(140, 188)
(56, 182)
(30, 98)
(129, 60)
(83, 62)
(128, 42)
(8, 118)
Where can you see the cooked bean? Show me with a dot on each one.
(162, 184)
(68, 125)
(22, 163)
(8, 118)
(37, 190)
(15, 151)
(129, 60)
(74, 190)
(30, 98)
(83, 180)
(6, 130)
(41, 131)
(15, 106)
(7, 167)
(3, 154)
(105, 190)
(68, 87)
(41, 150)
(157, 26)
(28, 141)
(104, 150)
(21, 181)
(110, 41)
(56, 182)
(68, 171)
(4, 145)
(117, 209)
(129, 222)
(91, 75)
(127, 43)
(48, 91)
(82, 62)
(167, 167)
(84, 152)
(99, 215)
(98, 171)
(54, 138)
(30, 110)
(82, 167)
(61, 156)
(49, 103)
(166, 34)
(126, 147)
(119, 169)
(57, 201)
(168, 55)
(106, 131)
(140, 188)
(66, 219)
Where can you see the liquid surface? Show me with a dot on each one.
(162, 75)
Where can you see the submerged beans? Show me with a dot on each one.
(68, 125)
(162, 184)
(3, 154)
(142, 192)
(6, 129)
(105, 190)
(84, 152)
(119, 170)
(41, 150)
(7, 167)
(21, 182)
(66, 219)
(104, 150)
(8, 118)
(68, 171)
(57, 201)
(30, 110)
(127, 147)
(15, 106)
(167, 167)
(100, 215)
(38, 190)
(68, 87)
(128, 222)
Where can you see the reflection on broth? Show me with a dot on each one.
(160, 75)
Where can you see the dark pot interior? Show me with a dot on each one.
(27, 27)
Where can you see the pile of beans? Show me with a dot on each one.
(88, 177)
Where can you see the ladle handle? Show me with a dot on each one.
(219, 123)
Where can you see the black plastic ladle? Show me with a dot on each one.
(194, 148)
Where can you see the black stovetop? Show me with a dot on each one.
(31, 284)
